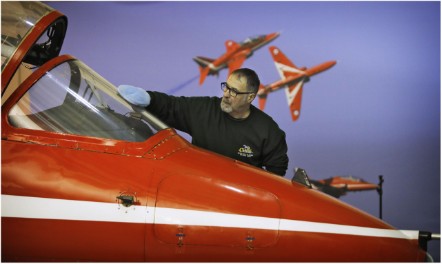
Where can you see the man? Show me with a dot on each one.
(230, 126)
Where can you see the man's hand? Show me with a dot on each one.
(134, 95)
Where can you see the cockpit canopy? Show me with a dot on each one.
(17, 24)
(252, 39)
(42, 91)
(72, 99)
(32, 34)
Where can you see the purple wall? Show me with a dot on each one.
(377, 112)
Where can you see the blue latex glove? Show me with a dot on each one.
(134, 95)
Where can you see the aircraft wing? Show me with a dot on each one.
(294, 96)
(288, 70)
(284, 66)
(231, 46)
(262, 96)
(237, 60)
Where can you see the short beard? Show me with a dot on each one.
(225, 107)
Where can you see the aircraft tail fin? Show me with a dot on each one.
(203, 63)
(203, 74)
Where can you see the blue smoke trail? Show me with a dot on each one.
(181, 86)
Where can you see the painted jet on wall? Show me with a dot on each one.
(86, 176)
(292, 79)
(234, 57)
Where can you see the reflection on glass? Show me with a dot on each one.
(73, 99)
(17, 19)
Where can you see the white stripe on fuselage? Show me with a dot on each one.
(58, 209)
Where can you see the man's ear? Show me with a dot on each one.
(251, 97)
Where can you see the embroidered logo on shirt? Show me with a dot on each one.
(245, 151)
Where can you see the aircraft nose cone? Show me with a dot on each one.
(274, 35)
(330, 64)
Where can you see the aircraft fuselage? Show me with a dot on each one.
(87, 176)
(302, 74)
(245, 48)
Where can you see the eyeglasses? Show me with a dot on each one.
(232, 91)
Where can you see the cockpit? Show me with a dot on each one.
(72, 99)
(60, 94)
(252, 39)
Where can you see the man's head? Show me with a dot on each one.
(239, 91)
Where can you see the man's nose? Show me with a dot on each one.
(226, 93)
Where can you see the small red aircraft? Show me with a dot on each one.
(293, 78)
(234, 57)
(335, 186)
(87, 176)
(340, 185)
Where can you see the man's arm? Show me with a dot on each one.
(277, 160)
(172, 110)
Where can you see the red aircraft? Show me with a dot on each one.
(293, 78)
(86, 176)
(335, 186)
(234, 57)
(340, 185)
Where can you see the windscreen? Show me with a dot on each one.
(73, 99)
